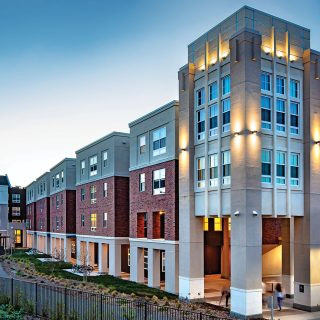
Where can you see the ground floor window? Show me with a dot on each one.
(18, 236)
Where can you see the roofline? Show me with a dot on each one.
(108, 136)
(8, 180)
(63, 160)
(30, 184)
(47, 172)
(169, 105)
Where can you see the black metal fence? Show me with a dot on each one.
(60, 303)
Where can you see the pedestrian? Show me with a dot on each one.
(225, 292)
(279, 295)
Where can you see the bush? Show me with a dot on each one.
(8, 312)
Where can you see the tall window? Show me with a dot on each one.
(226, 85)
(280, 85)
(93, 221)
(82, 220)
(266, 166)
(105, 219)
(201, 177)
(159, 181)
(214, 111)
(83, 167)
(145, 225)
(16, 211)
(93, 165)
(217, 224)
(82, 194)
(294, 118)
(159, 141)
(294, 88)
(57, 180)
(201, 118)
(281, 167)
(142, 144)
(163, 261)
(226, 115)
(294, 169)
(281, 115)
(57, 223)
(200, 97)
(62, 177)
(226, 167)
(142, 182)
(105, 189)
(265, 81)
(53, 182)
(265, 112)
(213, 91)
(61, 198)
(213, 166)
(57, 201)
(93, 194)
(16, 198)
(105, 159)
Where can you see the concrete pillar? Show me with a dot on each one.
(306, 229)
(81, 251)
(225, 252)
(90, 253)
(51, 245)
(103, 258)
(136, 263)
(172, 269)
(287, 234)
(115, 259)
(246, 231)
(67, 249)
(154, 268)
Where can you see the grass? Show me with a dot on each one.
(113, 283)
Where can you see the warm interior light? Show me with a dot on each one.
(217, 224)
(205, 224)
(161, 212)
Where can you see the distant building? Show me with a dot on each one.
(4, 209)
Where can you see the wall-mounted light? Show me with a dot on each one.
(280, 54)
(203, 67)
(183, 149)
(292, 58)
(224, 55)
(254, 132)
(255, 213)
(236, 213)
(236, 133)
(213, 61)
(317, 142)
(267, 50)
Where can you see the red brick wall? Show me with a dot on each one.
(116, 204)
(149, 203)
(271, 230)
(31, 214)
(43, 204)
(67, 211)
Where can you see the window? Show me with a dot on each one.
(213, 167)
(83, 167)
(280, 85)
(200, 97)
(159, 141)
(16, 198)
(226, 115)
(93, 194)
(294, 169)
(61, 198)
(105, 189)
(265, 112)
(145, 259)
(57, 180)
(62, 176)
(281, 116)
(82, 220)
(201, 176)
(105, 159)
(82, 194)
(142, 182)
(145, 225)
(281, 167)
(57, 223)
(159, 181)
(217, 224)
(266, 166)
(52, 182)
(52, 202)
(294, 88)
(93, 166)
(142, 144)
(93, 221)
(61, 221)
(163, 261)
(226, 167)
(128, 257)
(18, 236)
(265, 81)
(294, 118)
(57, 201)
(226, 88)
(214, 111)
(205, 224)
(213, 91)
(41, 190)
(16, 211)
(201, 118)
(105, 219)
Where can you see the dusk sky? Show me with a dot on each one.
(73, 71)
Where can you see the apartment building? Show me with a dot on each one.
(102, 198)
(249, 152)
(154, 211)
(31, 215)
(4, 211)
(63, 210)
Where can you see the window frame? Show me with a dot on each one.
(200, 97)
(281, 180)
(226, 85)
(226, 167)
(281, 127)
(142, 182)
(159, 177)
(142, 144)
(280, 85)
(295, 130)
(213, 117)
(213, 170)
(295, 181)
(213, 91)
(201, 124)
(93, 194)
(201, 172)
(226, 113)
(265, 81)
(93, 165)
(159, 141)
(266, 178)
(265, 124)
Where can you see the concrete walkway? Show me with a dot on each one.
(3, 274)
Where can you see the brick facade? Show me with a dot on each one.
(43, 213)
(21, 204)
(31, 216)
(115, 204)
(146, 202)
(271, 230)
(65, 212)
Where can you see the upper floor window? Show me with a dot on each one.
(200, 97)
(294, 88)
(294, 118)
(159, 141)
(105, 159)
(265, 81)
(82, 220)
(159, 181)
(265, 112)
(142, 144)
(93, 221)
(213, 91)
(93, 165)
(62, 176)
(214, 111)
(226, 167)
(266, 166)
(281, 167)
(294, 169)
(226, 115)
(93, 194)
(82, 194)
(16, 211)
(105, 189)
(57, 180)
(226, 85)
(142, 182)
(105, 219)
(201, 117)
(201, 176)
(52, 182)
(213, 166)
(16, 198)
(57, 201)
(280, 88)
(83, 166)
(281, 115)
(61, 198)
(57, 223)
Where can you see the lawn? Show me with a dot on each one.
(113, 283)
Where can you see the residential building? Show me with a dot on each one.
(102, 197)
(154, 211)
(4, 212)
(31, 215)
(63, 210)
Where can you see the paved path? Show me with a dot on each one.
(3, 274)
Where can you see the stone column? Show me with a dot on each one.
(245, 145)
(225, 252)
(90, 253)
(81, 249)
(306, 228)
(103, 257)
(172, 269)
(136, 263)
(52, 245)
(115, 258)
(154, 268)
(67, 249)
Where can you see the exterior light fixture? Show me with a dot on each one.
(267, 50)
(183, 149)
(236, 134)
(292, 58)
(237, 213)
(213, 61)
(224, 55)
(317, 142)
(279, 54)
(254, 132)
(203, 67)
(255, 213)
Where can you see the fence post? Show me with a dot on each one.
(200, 315)
(12, 291)
(65, 302)
(101, 308)
(145, 310)
(36, 299)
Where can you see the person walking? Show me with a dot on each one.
(279, 295)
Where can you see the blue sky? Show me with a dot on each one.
(73, 71)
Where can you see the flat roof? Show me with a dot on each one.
(63, 160)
